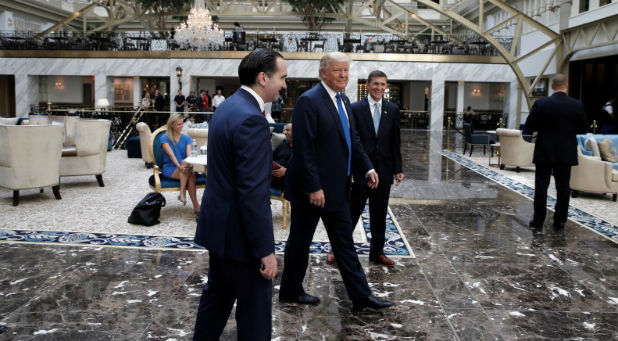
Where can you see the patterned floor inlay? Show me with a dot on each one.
(587, 220)
(396, 244)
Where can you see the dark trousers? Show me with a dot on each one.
(378, 206)
(339, 227)
(562, 175)
(230, 281)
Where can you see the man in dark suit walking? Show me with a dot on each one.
(556, 119)
(318, 182)
(235, 224)
(377, 125)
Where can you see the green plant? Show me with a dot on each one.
(315, 13)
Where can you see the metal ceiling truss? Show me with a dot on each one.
(118, 12)
(602, 32)
(393, 16)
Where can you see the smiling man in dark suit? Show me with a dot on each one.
(318, 182)
(557, 119)
(236, 221)
(377, 125)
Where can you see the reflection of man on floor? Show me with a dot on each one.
(281, 158)
(377, 125)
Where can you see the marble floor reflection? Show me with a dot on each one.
(479, 274)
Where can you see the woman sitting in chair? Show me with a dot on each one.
(177, 147)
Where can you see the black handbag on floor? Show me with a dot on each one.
(148, 210)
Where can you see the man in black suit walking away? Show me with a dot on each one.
(377, 125)
(235, 222)
(318, 181)
(556, 119)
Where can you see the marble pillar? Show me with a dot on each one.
(101, 87)
(437, 105)
(460, 103)
(137, 92)
(513, 107)
(435, 158)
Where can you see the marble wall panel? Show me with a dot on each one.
(104, 69)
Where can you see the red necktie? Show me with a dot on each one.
(264, 113)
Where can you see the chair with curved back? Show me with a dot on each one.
(514, 150)
(157, 181)
(144, 142)
(473, 139)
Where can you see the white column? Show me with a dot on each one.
(436, 117)
(100, 88)
(435, 159)
(26, 93)
(460, 101)
(137, 92)
(352, 89)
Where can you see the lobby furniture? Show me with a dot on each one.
(90, 154)
(594, 176)
(474, 139)
(581, 142)
(157, 181)
(144, 142)
(200, 135)
(30, 158)
(276, 139)
(69, 130)
(514, 150)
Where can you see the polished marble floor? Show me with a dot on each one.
(479, 274)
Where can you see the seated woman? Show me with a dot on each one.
(177, 146)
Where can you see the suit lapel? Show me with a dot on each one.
(328, 103)
(367, 116)
(384, 116)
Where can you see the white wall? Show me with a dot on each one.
(65, 89)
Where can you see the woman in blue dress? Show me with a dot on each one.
(177, 147)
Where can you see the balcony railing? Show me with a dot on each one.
(278, 41)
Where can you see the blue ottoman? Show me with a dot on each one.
(133, 148)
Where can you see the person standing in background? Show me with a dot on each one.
(557, 119)
(217, 100)
(179, 101)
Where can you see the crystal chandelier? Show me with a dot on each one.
(199, 31)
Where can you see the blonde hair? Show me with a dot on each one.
(333, 57)
(170, 121)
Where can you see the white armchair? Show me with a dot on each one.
(514, 150)
(90, 154)
(200, 135)
(593, 175)
(30, 158)
(144, 142)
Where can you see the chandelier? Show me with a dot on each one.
(199, 31)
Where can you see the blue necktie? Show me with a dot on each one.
(376, 118)
(346, 129)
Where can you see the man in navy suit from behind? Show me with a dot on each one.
(235, 224)
(557, 119)
(377, 125)
(318, 184)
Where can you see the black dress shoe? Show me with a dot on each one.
(559, 225)
(302, 299)
(371, 302)
(535, 225)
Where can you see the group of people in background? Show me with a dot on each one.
(193, 103)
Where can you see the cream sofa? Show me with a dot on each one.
(514, 150)
(144, 142)
(30, 158)
(90, 155)
(593, 175)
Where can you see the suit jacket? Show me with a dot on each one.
(320, 153)
(557, 119)
(236, 220)
(384, 150)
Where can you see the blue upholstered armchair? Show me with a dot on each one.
(473, 139)
(157, 181)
